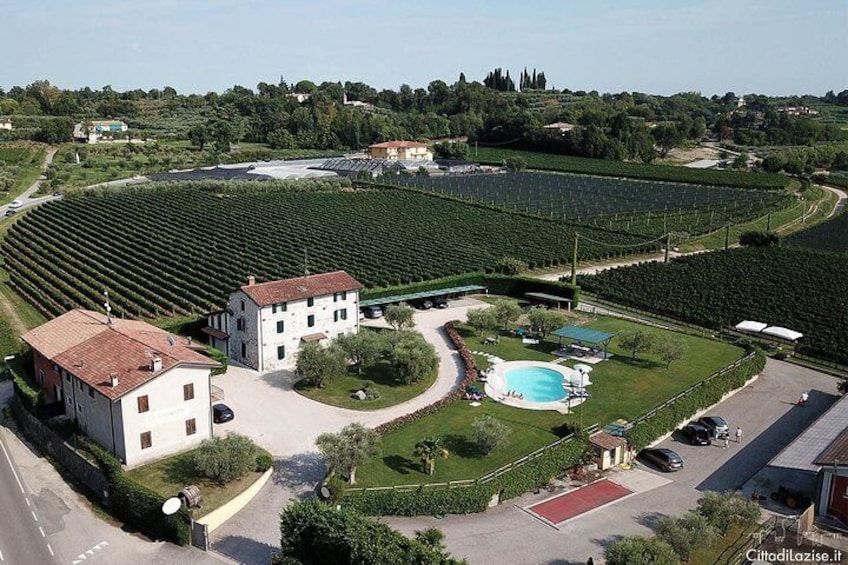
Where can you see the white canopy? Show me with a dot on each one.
(785, 333)
(751, 326)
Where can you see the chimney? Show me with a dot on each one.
(113, 380)
(251, 280)
(156, 364)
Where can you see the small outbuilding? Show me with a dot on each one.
(609, 450)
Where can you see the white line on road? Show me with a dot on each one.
(12, 467)
(50, 549)
(34, 517)
(28, 502)
(1, 556)
(40, 529)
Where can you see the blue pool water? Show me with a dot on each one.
(537, 384)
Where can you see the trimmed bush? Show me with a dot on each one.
(316, 534)
(264, 461)
(138, 506)
(31, 398)
(225, 459)
(421, 501)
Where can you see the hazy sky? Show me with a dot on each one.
(653, 46)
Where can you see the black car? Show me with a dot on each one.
(665, 459)
(697, 434)
(222, 413)
(716, 425)
(440, 302)
(421, 304)
(11, 212)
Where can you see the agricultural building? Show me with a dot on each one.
(356, 167)
(268, 322)
(92, 131)
(6, 123)
(139, 391)
(401, 151)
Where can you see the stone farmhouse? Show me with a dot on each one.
(400, 151)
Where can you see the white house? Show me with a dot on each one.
(139, 391)
(6, 123)
(400, 151)
(268, 322)
(92, 131)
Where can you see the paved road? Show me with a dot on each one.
(26, 196)
(21, 541)
(766, 412)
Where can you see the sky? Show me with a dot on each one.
(773, 47)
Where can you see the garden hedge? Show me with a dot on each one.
(139, 506)
(31, 397)
(669, 417)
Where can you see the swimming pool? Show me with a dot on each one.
(536, 384)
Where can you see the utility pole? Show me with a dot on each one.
(726, 236)
(768, 222)
(574, 261)
(667, 245)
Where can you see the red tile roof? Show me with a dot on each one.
(399, 145)
(300, 288)
(82, 343)
(607, 441)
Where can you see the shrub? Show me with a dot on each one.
(336, 486)
(725, 509)
(31, 397)
(412, 358)
(225, 459)
(264, 461)
(685, 533)
(315, 364)
(316, 534)
(421, 501)
(489, 434)
(758, 239)
(638, 550)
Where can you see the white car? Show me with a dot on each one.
(14, 204)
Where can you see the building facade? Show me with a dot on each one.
(401, 151)
(135, 389)
(269, 322)
(92, 131)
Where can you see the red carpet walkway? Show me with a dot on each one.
(578, 501)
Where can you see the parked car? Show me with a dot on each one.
(11, 212)
(58, 194)
(421, 304)
(697, 434)
(665, 459)
(716, 425)
(372, 312)
(15, 204)
(222, 413)
(440, 302)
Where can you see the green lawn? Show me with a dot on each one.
(337, 391)
(733, 542)
(622, 388)
(169, 476)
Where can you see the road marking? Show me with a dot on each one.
(1, 556)
(12, 467)
(28, 502)
(50, 549)
(34, 516)
(40, 529)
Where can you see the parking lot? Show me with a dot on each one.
(770, 419)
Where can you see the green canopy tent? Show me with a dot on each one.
(585, 335)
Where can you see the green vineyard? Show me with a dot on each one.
(645, 207)
(790, 287)
(831, 235)
(180, 248)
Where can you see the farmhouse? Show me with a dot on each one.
(139, 391)
(401, 151)
(268, 322)
(6, 123)
(92, 131)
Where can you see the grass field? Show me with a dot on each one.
(28, 158)
(338, 390)
(622, 388)
(168, 476)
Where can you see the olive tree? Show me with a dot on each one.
(505, 312)
(400, 317)
(316, 364)
(225, 459)
(636, 341)
(482, 319)
(348, 449)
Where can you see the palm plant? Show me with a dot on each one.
(428, 449)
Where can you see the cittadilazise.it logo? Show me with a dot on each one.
(787, 555)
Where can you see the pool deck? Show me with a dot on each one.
(496, 387)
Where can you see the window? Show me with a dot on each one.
(339, 296)
(143, 404)
(243, 350)
(284, 307)
(273, 308)
(146, 440)
(191, 427)
(280, 327)
(281, 352)
(91, 392)
(41, 376)
(240, 324)
(188, 391)
(67, 375)
(310, 301)
(340, 315)
(310, 320)
(242, 305)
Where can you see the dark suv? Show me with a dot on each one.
(716, 425)
(421, 303)
(440, 302)
(697, 434)
(665, 459)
